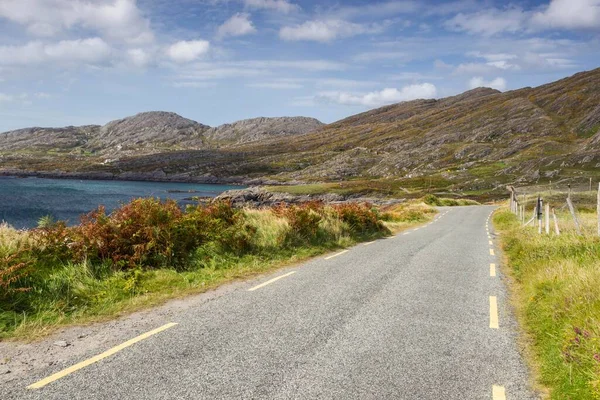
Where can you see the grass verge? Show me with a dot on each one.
(556, 292)
(149, 251)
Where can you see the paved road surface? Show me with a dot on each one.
(401, 318)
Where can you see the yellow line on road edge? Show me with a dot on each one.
(493, 312)
(270, 281)
(492, 269)
(498, 393)
(491, 252)
(491, 243)
(89, 361)
(368, 243)
(337, 254)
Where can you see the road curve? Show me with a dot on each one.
(409, 317)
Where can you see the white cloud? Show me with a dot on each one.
(114, 19)
(238, 25)
(5, 98)
(195, 85)
(42, 95)
(81, 50)
(282, 6)
(489, 22)
(275, 85)
(569, 14)
(382, 97)
(138, 57)
(325, 30)
(345, 83)
(497, 83)
(92, 50)
(186, 51)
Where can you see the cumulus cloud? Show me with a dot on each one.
(569, 14)
(382, 97)
(237, 25)
(282, 6)
(497, 83)
(118, 20)
(186, 51)
(324, 30)
(92, 50)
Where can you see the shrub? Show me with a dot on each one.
(432, 200)
(361, 218)
(303, 221)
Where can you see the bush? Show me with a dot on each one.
(362, 218)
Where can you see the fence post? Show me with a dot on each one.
(572, 210)
(523, 214)
(547, 218)
(556, 230)
(540, 209)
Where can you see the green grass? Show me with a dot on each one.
(63, 292)
(556, 293)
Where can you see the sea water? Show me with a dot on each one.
(23, 201)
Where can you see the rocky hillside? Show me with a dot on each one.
(256, 129)
(148, 133)
(474, 142)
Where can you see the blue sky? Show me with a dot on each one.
(75, 62)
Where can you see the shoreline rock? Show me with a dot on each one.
(257, 197)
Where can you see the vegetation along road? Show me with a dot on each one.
(419, 315)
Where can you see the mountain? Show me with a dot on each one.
(474, 142)
(148, 133)
(255, 129)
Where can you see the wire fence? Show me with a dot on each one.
(558, 209)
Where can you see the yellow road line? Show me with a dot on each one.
(406, 233)
(337, 254)
(491, 252)
(89, 361)
(368, 243)
(493, 312)
(491, 243)
(270, 281)
(498, 392)
(492, 269)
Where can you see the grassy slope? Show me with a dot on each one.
(556, 292)
(75, 293)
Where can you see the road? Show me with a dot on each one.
(409, 317)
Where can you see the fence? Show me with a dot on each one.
(547, 205)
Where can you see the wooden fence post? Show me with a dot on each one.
(556, 230)
(547, 218)
(572, 210)
(540, 209)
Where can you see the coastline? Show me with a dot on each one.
(136, 177)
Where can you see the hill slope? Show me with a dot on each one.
(476, 141)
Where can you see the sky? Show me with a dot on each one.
(78, 62)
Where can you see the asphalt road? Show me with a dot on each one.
(402, 318)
